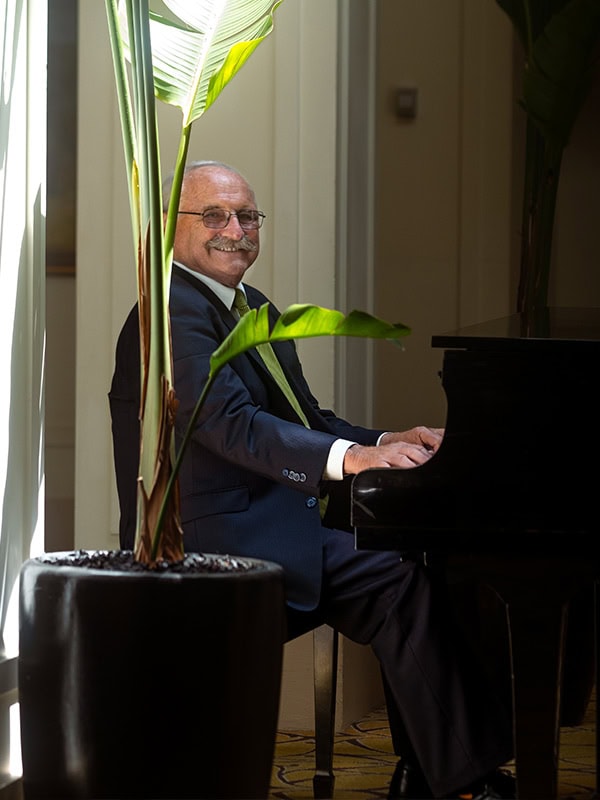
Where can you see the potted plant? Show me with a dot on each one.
(155, 673)
(559, 38)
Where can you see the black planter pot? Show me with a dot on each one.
(146, 685)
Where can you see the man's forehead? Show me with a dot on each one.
(208, 184)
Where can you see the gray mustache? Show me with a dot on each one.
(219, 242)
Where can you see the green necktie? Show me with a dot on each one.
(271, 361)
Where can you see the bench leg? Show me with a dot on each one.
(325, 643)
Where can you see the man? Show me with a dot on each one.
(251, 482)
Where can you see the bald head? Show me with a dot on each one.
(190, 169)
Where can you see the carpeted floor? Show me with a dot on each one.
(364, 761)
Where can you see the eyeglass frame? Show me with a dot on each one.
(261, 217)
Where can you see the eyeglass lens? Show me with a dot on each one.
(219, 218)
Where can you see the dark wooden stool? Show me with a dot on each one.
(325, 655)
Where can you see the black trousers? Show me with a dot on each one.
(442, 710)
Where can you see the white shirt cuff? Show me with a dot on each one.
(334, 469)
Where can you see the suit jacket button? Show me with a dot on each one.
(311, 502)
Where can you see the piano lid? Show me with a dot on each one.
(557, 328)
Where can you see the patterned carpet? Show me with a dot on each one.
(364, 761)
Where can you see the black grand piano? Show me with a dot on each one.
(512, 495)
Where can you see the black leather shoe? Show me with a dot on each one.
(498, 785)
(408, 783)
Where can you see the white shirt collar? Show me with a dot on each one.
(225, 293)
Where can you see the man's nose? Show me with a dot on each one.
(233, 225)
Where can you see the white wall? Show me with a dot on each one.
(443, 199)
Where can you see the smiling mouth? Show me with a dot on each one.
(230, 246)
(229, 249)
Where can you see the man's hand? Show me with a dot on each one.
(431, 438)
(403, 449)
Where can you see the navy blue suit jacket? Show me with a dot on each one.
(253, 472)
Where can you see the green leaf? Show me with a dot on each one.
(559, 37)
(300, 322)
(197, 53)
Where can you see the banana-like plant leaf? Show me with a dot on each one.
(530, 16)
(558, 75)
(195, 56)
(300, 321)
(558, 37)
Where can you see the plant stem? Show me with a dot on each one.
(177, 464)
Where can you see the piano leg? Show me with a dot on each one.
(536, 696)
(537, 606)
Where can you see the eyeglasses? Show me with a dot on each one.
(249, 219)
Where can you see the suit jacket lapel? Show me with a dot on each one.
(201, 287)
